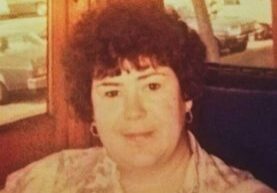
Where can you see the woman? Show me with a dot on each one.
(134, 72)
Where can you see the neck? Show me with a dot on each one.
(164, 177)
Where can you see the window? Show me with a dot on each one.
(243, 31)
(23, 63)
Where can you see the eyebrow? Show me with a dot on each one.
(109, 84)
(141, 77)
(144, 76)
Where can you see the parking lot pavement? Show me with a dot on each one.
(257, 54)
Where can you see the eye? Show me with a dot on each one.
(154, 86)
(112, 93)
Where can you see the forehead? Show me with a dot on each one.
(141, 64)
(126, 66)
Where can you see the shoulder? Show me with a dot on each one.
(225, 178)
(216, 176)
(251, 186)
(45, 173)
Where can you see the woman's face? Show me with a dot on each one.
(139, 115)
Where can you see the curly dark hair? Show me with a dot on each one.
(103, 38)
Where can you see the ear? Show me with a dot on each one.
(188, 105)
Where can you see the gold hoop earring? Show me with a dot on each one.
(93, 129)
(189, 117)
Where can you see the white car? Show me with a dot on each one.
(22, 64)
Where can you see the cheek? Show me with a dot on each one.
(105, 113)
(104, 120)
(168, 113)
(168, 105)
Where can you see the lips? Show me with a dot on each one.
(139, 136)
(142, 134)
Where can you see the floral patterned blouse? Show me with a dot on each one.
(92, 171)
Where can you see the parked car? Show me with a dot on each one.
(263, 31)
(23, 7)
(231, 33)
(22, 64)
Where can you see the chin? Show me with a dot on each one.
(142, 161)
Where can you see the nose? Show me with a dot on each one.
(133, 106)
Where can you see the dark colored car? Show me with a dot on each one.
(263, 31)
(231, 33)
(22, 64)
